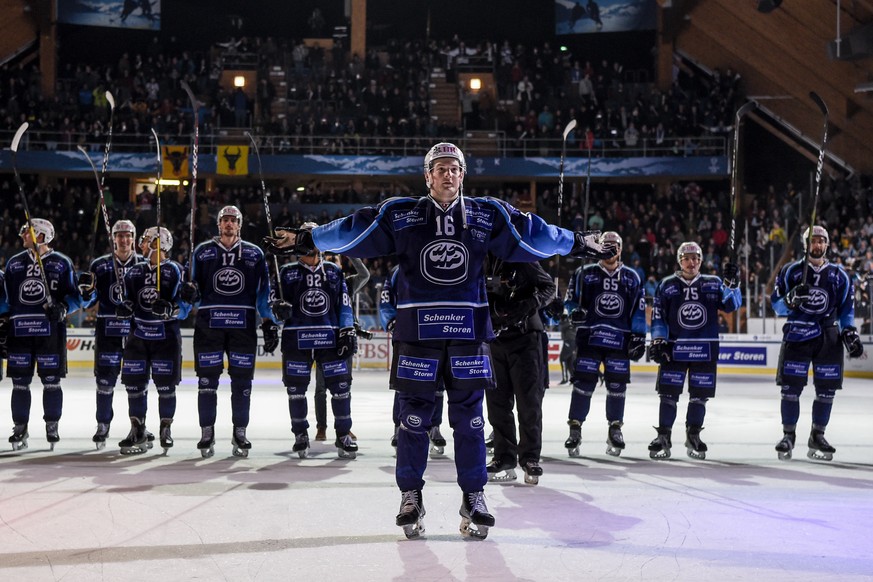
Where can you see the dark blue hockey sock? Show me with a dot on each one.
(167, 401)
(298, 409)
(615, 399)
(21, 400)
(52, 401)
(412, 440)
(341, 406)
(240, 400)
(137, 401)
(580, 400)
(465, 418)
(105, 395)
(821, 408)
(667, 409)
(207, 400)
(790, 406)
(696, 412)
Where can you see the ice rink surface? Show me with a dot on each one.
(80, 514)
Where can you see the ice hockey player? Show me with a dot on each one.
(231, 288)
(607, 304)
(821, 323)
(685, 343)
(442, 327)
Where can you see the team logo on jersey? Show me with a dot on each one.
(314, 302)
(817, 302)
(444, 262)
(147, 296)
(692, 316)
(32, 292)
(228, 281)
(116, 294)
(609, 305)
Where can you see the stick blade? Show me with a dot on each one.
(570, 127)
(17, 138)
(819, 102)
(746, 107)
(111, 100)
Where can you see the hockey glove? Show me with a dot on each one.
(346, 343)
(125, 310)
(731, 275)
(554, 309)
(797, 296)
(189, 292)
(86, 284)
(659, 351)
(636, 346)
(4, 336)
(852, 341)
(164, 309)
(281, 244)
(282, 310)
(361, 332)
(390, 326)
(271, 336)
(585, 245)
(578, 316)
(56, 312)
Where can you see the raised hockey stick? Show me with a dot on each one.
(571, 125)
(16, 140)
(119, 279)
(193, 190)
(158, 205)
(734, 157)
(818, 170)
(101, 180)
(267, 214)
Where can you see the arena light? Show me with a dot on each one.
(165, 182)
(475, 83)
(239, 81)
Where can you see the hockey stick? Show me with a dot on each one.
(818, 170)
(14, 147)
(193, 191)
(158, 205)
(571, 125)
(267, 214)
(119, 279)
(734, 157)
(101, 180)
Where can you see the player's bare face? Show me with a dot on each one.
(690, 265)
(445, 180)
(817, 248)
(228, 227)
(123, 243)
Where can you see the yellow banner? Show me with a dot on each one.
(233, 160)
(175, 162)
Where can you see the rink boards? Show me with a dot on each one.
(739, 354)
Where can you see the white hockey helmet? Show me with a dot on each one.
(229, 211)
(816, 231)
(444, 150)
(688, 248)
(610, 237)
(124, 226)
(151, 234)
(41, 226)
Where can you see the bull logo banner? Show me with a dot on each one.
(175, 162)
(233, 160)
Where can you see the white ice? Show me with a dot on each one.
(79, 514)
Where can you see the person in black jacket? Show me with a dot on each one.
(516, 292)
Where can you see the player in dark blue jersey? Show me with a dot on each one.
(685, 343)
(103, 284)
(442, 327)
(37, 330)
(318, 329)
(387, 317)
(821, 320)
(231, 288)
(154, 344)
(607, 304)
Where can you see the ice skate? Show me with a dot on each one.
(136, 442)
(301, 445)
(51, 434)
(101, 435)
(614, 439)
(500, 471)
(532, 471)
(695, 447)
(411, 514)
(786, 445)
(475, 519)
(241, 445)
(19, 437)
(489, 444)
(346, 447)
(206, 446)
(166, 434)
(819, 448)
(660, 447)
(575, 439)
(437, 443)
